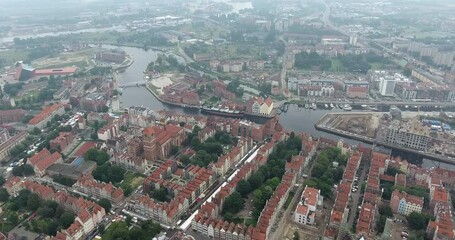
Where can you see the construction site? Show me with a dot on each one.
(363, 124)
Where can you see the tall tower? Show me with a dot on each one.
(149, 144)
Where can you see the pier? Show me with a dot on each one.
(321, 125)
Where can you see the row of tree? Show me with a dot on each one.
(122, 230)
(263, 182)
(324, 174)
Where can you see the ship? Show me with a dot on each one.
(331, 105)
(326, 105)
(223, 112)
(314, 106)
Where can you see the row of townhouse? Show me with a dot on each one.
(309, 147)
(206, 222)
(98, 189)
(183, 195)
(338, 223)
(368, 209)
(88, 213)
(225, 162)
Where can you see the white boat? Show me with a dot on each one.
(364, 106)
(306, 105)
(314, 106)
(331, 105)
(326, 106)
(347, 107)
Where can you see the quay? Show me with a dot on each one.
(321, 126)
(360, 102)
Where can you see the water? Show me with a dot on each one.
(47, 34)
(295, 119)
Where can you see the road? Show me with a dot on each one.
(373, 102)
(356, 196)
(287, 215)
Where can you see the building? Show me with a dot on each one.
(108, 132)
(404, 204)
(62, 141)
(111, 56)
(357, 92)
(6, 146)
(366, 220)
(408, 134)
(98, 189)
(220, 90)
(46, 115)
(43, 160)
(25, 72)
(15, 115)
(158, 140)
(306, 208)
(387, 86)
(353, 40)
(260, 106)
(4, 135)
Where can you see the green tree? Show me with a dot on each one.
(418, 221)
(2, 180)
(296, 236)
(4, 196)
(233, 203)
(33, 202)
(159, 194)
(385, 210)
(243, 187)
(105, 203)
(66, 219)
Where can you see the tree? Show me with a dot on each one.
(128, 220)
(105, 203)
(4, 196)
(33, 202)
(94, 136)
(385, 210)
(174, 149)
(24, 170)
(159, 194)
(234, 203)
(296, 236)
(2, 180)
(35, 131)
(418, 220)
(243, 187)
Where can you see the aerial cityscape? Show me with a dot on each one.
(227, 119)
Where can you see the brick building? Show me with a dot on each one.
(15, 115)
(45, 116)
(62, 141)
(158, 140)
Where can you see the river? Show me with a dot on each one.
(295, 119)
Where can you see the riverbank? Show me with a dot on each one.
(322, 127)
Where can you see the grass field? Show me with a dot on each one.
(289, 199)
(336, 65)
(132, 180)
(78, 58)
(11, 56)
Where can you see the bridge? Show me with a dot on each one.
(133, 84)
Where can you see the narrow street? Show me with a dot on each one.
(355, 203)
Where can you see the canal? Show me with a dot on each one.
(295, 119)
